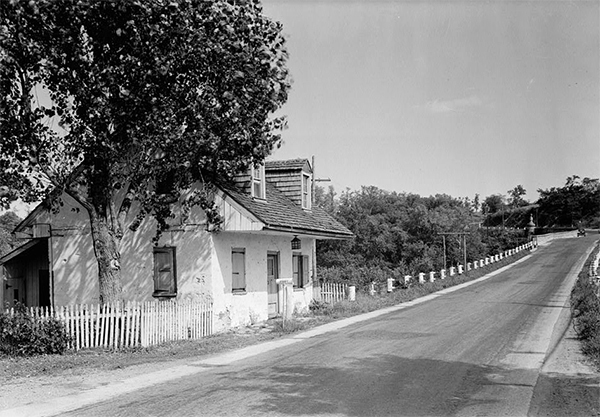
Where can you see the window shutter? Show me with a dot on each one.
(164, 272)
(296, 276)
(305, 277)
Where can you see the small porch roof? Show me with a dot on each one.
(21, 249)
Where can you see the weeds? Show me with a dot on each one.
(585, 306)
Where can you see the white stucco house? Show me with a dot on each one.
(236, 268)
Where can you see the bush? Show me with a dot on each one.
(24, 335)
(585, 306)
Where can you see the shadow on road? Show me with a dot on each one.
(415, 387)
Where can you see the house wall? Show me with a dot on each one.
(203, 262)
(236, 309)
(76, 270)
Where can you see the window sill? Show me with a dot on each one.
(239, 292)
(163, 295)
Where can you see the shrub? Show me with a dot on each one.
(24, 335)
(585, 306)
(289, 326)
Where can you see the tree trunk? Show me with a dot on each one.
(106, 247)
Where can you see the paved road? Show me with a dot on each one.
(472, 352)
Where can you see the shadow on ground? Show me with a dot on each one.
(562, 395)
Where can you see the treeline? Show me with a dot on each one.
(402, 234)
(576, 204)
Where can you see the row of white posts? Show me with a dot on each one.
(593, 273)
(460, 269)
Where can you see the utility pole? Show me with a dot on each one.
(462, 240)
(312, 201)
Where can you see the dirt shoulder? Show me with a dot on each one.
(568, 384)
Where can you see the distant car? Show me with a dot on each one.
(580, 232)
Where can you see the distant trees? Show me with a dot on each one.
(493, 203)
(578, 201)
(400, 231)
(515, 197)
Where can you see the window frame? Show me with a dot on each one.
(172, 291)
(257, 178)
(306, 191)
(238, 251)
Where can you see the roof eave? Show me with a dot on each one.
(323, 234)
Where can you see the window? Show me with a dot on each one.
(258, 182)
(165, 272)
(238, 270)
(306, 191)
(299, 270)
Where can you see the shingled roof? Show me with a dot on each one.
(285, 165)
(280, 213)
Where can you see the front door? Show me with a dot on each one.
(272, 275)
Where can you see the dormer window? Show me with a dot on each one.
(257, 178)
(306, 191)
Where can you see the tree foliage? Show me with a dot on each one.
(140, 93)
(401, 232)
(577, 202)
(515, 197)
(493, 204)
(8, 222)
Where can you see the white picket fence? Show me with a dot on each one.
(130, 324)
(330, 292)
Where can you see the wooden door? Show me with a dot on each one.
(272, 275)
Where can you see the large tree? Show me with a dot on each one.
(141, 92)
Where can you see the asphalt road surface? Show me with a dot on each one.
(473, 352)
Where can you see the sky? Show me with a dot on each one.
(452, 97)
(442, 97)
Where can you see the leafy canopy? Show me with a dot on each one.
(140, 92)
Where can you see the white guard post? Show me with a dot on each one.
(352, 292)
(286, 297)
(390, 284)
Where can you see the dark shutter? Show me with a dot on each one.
(165, 283)
(305, 278)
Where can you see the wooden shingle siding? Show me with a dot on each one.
(243, 182)
(288, 182)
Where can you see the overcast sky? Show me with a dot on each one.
(455, 97)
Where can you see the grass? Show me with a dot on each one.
(85, 361)
(585, 306)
